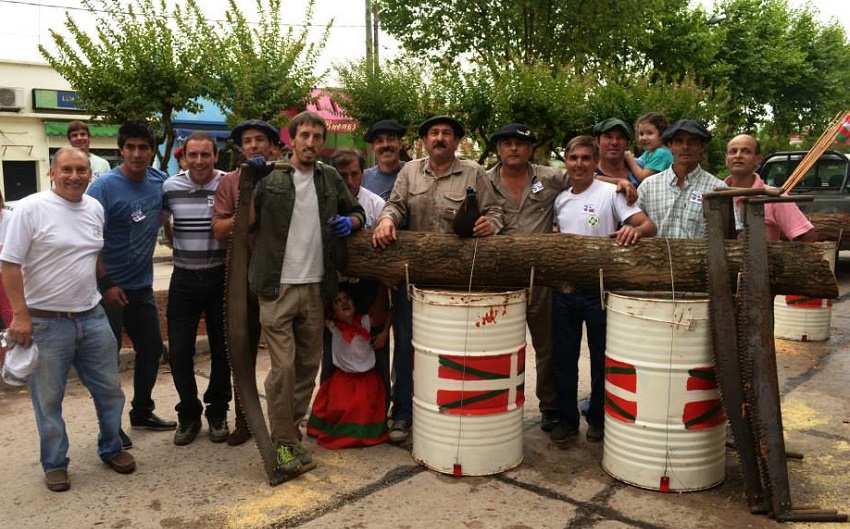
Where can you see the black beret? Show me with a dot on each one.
(385, 125)
(271, 132)
(430, 122)
(687, 125)
(514, 130)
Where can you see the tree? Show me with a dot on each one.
(260, 68)
(137, 66)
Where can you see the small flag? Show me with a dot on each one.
(842, 137)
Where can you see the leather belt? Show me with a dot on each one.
(37, 313)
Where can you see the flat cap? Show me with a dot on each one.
(514, 130)
(430, 122)
(687, 125)
(612, 123)
(385, 125)
(272, 133)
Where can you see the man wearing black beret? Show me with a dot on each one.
(673, 198)
(385, 137)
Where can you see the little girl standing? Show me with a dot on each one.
(349, 408)
(656, 157)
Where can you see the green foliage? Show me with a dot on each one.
(136, 66)
(260, 68)
(394, 91)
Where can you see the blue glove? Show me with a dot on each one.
(342, 226)
(257, 162)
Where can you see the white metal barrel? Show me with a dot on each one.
(468, 380)
(665, 428)
(802, 318)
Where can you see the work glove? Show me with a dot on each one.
(261, 169)
(342, 226)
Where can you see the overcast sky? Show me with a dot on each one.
(24, 24)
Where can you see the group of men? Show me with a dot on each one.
(77, 263)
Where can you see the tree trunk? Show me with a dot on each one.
(828, 226)
(566, 261)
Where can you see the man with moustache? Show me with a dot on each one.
(426, 197)
(49, 262)
(131, 196)
(781, 219)
(526, 193)
(196, 288)
(673, 197)
(257, 139)
(385, 137)
(297, 211)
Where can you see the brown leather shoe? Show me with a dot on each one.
(239, 435)
(57, 480)
(122, 462)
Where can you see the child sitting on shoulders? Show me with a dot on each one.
(349, 410)
(656, 157)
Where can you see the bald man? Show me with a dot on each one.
(782, 219)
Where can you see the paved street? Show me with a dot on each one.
(205, 485)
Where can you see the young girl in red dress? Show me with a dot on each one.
(349, 409)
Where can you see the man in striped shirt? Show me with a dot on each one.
(197, 287)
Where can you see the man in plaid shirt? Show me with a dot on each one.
(673, 197)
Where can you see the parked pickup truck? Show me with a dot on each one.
(828, 180)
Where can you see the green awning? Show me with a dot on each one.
(60, 128)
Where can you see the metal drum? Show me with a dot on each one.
(665, 428)
(802, 318)
(468, 380)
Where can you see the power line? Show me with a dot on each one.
(85, 10)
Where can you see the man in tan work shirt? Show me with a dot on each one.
(426, 197)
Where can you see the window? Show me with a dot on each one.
(19, 179)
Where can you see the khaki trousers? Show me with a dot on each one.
(292, 325)
(539, 320)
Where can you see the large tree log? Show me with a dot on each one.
(570, 260)
(828, 226)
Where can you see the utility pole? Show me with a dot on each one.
(375, 25)
(370, 58)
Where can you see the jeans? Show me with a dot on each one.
(569, 312)
(403, 357)
(86, 343)
(190, 294)
(140, 318)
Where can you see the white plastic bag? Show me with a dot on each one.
(20, 362)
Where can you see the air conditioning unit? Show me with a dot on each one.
(11, 99)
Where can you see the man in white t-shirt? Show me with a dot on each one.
(50, 259)
(591, 207)
(79, 137)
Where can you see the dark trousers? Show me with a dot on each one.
(192, 293)
(569, 313)
(403, 357)
(140, 318)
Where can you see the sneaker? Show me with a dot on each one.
(302, 454)
(548, 420)
(239, 435)
(57, 480)
(399, 431)
(152, 422)
(122, 462)
(594, 433)
(287, 461)
(186, 432)
(219, 432)
(562, 431)
(126, 442)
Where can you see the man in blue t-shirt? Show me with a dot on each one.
(131, 195)
(385, 137)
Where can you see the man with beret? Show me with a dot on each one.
(385, 138)
(256, 138)
(426, 197)
(526, 192)
(673, 198)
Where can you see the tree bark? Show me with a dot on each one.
(567, 261)
(828, 226)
